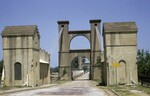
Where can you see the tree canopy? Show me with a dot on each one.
(143, 61)
(1, 68)
(74, 63)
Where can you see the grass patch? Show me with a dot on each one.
(6, 88)
(125, 90)
(13, 87)
(141, 88)
(122, 90)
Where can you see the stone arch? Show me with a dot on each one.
(122, 72)
(76, 36)
(72, 36)
(72, 56)
(17, 71)
(77, 67)
(84, 40)
(122, 61)
(66, 55)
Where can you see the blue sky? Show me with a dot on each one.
(46, 13)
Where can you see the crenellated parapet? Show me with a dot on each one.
(44, 56)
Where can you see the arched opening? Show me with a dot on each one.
(18, 71)
(122, 72)
(79, 42)
(80, 68)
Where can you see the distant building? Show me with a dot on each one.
(24, 62)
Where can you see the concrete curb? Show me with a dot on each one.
(114, 91)
(25, 89)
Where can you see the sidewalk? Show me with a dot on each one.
(3, 91)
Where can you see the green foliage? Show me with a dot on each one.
(143, 61)
(85, 68)
(98, 61)
(83, 60)
(64, 71)
(55, 69)
(1, 66)
(125, 90)
(74, 63)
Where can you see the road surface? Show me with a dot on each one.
(74, 88)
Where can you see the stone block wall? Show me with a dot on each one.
(21, 54)
(120, 50)
(44, 67)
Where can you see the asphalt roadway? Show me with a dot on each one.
(79, 87)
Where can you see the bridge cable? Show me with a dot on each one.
(98, 35)
(59, 35)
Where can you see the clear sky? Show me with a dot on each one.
(46, 13)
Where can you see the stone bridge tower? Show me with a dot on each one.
(120, 49)
(24, 62)
(66, 55)
(21, 55)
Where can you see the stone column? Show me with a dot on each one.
(80, 62)
(95, 50)
(64, 66)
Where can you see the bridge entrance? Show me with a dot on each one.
(79, 67)
(68, 56)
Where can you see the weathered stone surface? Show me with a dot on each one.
(20, 30)
(120, 27)
(66, 55)
(21, 45)
(120, 47)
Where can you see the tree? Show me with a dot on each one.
(74, 63)
(98, 61)
(83, 59)
(85, 68)
(1, 68)
(55, 69)
(143, 61)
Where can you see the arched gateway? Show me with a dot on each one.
(66, 55)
